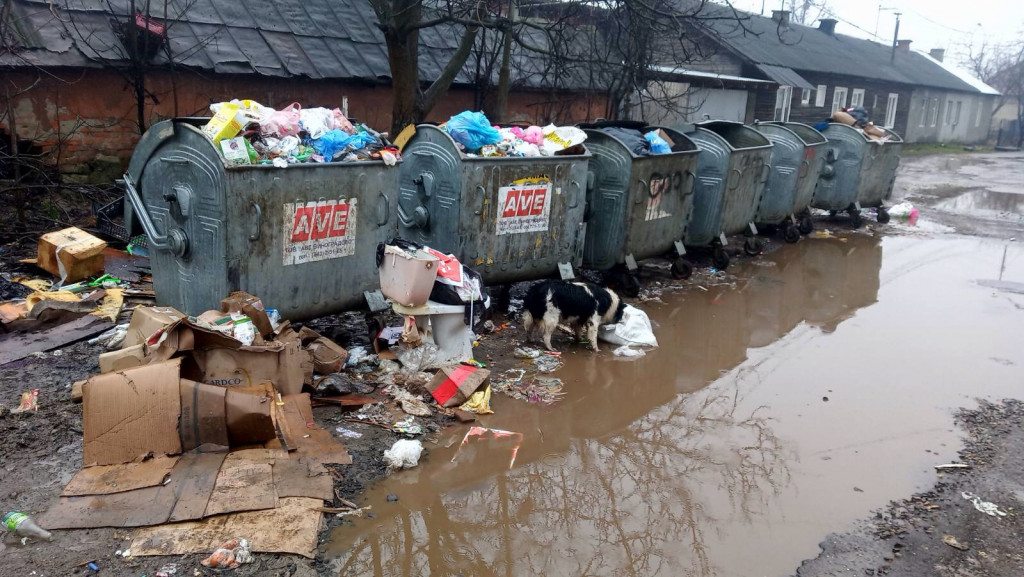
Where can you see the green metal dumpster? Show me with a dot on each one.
(512, 219)
(797, 155)
(302, 238)
(879, 176)
(637, 206)
(731, 173)
(847, 156)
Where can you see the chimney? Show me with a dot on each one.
(781, 16)
(903, 45)
(937, 53)
(828, 26)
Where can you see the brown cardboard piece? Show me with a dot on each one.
(125, 358)
(302, 478)
(217, 359)
(252, 307)
(203, 420)
(81, 254)
(328, 356)
(191, 483)
(107, 479)
(76, 391)
(290, 528)
(452, 385)
(131, 413)
(242, 485)
(296, 420)
(248, 414)
(148, 320)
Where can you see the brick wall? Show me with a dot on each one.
(85, 113)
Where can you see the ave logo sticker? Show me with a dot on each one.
(523, 208)
(319, 230)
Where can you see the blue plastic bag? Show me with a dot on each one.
(472, 130)
(335, 141)
(658, 144)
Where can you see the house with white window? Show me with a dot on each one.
(817, 71)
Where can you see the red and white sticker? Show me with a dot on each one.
(523, 208)
(319, 230)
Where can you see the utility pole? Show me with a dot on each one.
(895, 36)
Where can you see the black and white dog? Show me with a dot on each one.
(582, 305)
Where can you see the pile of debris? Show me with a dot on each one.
(857, 117)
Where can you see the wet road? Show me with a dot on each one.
(776, 411)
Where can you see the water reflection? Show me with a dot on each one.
(983, 201)
(642, 464)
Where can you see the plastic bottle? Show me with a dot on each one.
(23, 526)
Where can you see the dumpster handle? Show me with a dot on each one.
(174, 241)
(259, 219)
(693, 182)
(805, 167)
(739, 176)
(387, 210)
(646, 188)
(483, 199)
(576, 194)
(766, 170)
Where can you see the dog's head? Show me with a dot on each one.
(620, 308)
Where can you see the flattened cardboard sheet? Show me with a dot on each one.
(107, 479)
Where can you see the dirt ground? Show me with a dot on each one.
(42, 450)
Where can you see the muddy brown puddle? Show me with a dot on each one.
(773, 413)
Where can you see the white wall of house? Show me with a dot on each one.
(948, 116)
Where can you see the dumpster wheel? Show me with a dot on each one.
(753, 246)
(791, 233)
(806, 224)
(883, 215)
(630, 285)
(681, 268)
(855, 218)
(720, 258)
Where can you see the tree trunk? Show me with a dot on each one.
(403, 57)
(504, 80)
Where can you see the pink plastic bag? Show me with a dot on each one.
(284, 122)
(341, 123)
(534, 135)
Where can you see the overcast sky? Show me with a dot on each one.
(949, 24)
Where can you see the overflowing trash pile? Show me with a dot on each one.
(247, 133)
(476, 136)
(857, 117)
(639, 143)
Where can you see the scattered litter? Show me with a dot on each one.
(548, 363)
(535, 389)
(167, 570)
(526, 353)
(229, 555)
(111, 339)
(905, 212)
(392, 498)
(825, 233)
(93, 566)
(408, 426)
(453, 385)
(409, 403)
(29, 402)
(404, 454)
(952, 466)
(479, 402)
(342, 384)
(952, 542)
(480, 434)
(22, 525)
(354, 512)
(627, 352)
(983, 506)
(357, 355)
(349, 433)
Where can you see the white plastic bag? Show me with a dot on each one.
(558, 138)
(635, 329)
(404, 454)
(316, 121)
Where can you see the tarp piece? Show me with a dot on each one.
(290, 528)
(184, 497)
(107, 479)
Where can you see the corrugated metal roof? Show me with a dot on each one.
(784, 76)
(336, 39)
(762, 41)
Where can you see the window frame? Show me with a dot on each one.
(853, 97)
(819, 96)
(836, 103)
(783, 95)
(892, 105)
(805, 97)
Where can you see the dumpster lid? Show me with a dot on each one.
(808, 135)
(737, 135)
